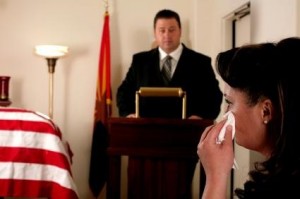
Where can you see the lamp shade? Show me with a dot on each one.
(51, 51)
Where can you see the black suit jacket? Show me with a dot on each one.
(194, 74)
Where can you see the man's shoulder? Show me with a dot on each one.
(190, 52)
(145, 58)
(148, 53)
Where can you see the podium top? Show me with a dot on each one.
(160, 92)
(155, 137)
(159, 121)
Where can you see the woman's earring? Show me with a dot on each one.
(265, 121)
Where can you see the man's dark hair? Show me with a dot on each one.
(167, 14)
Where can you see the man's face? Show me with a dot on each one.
(167, 34)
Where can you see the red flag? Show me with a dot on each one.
(103, 94)
(103, 108)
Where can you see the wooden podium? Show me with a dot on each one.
(151, 138)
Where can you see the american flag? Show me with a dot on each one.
(34, 159)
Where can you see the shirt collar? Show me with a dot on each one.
(175, 54)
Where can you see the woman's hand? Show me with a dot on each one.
(132, 115)
(216, 159)
(195, 117)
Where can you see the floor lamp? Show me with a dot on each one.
(51, 53)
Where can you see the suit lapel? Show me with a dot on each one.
(155, 60)
(155, 73)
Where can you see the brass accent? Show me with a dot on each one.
(160, 92)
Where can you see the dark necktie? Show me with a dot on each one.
(167, 69)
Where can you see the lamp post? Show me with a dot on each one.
(51, 53)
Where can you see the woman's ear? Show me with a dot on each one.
(267, 110)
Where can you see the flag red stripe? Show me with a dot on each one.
(16, 110)
(22, 125)
(30, 155)
(32, 188)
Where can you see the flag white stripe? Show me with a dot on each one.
(25, 116)
(26, 171)
(28, 139)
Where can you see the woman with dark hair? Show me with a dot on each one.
(262, 93)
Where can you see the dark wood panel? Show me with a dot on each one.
(175, 139)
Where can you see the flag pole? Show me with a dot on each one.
(106, 6)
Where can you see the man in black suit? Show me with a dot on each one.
(192, 71)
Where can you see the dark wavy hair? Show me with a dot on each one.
(269, 70)
(167, 14)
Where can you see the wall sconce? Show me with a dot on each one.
(4, 91)
(51, 53)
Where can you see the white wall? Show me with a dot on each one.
(298, 17)
(274, 19)
(78, 24)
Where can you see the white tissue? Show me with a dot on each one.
(230, 121)
(220, 138)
